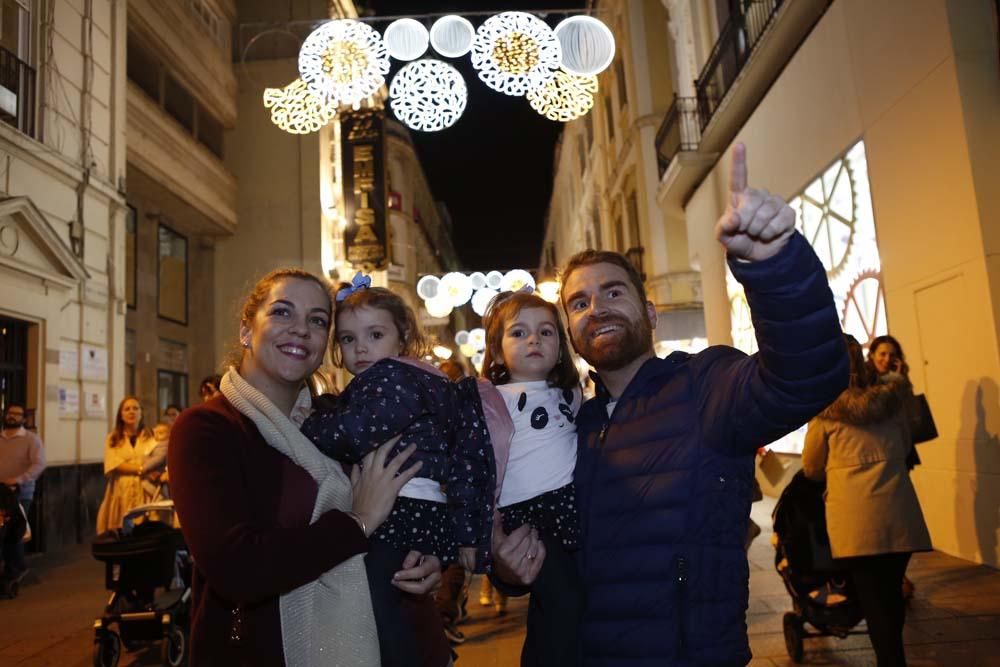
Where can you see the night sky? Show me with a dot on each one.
(493, 168)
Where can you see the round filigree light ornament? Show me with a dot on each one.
(462, 338)
(456, 288)
(477, 338)
(516, 279)
(452, 36)
(478, 279)
(427, 287)
(588, 46)
(515, 52)
(481, 300)
(493, 279)
(406, 39)
(296, 109)
(344, 61)
(564, 98)
(439, 306)
(428, 95)
(467, 350)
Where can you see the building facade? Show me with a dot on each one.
(875, 120)
(62, 228)
(606, 177)
(181, 196)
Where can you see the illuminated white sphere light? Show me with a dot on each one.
(452, 36)
(344, 61)
(481, 300)
(493, 279)
(296, 109)
(462, 338)
(478, 279)
(467, 350)
(456, 288)
(549, 290)
(477, 338)
(588, 46)
(516, 279)
(564, 98)
(427, 287)
(406, 39)
(442, 352)
(515, 52)
(428, 95)
(439, 306)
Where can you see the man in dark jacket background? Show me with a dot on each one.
(666, 449)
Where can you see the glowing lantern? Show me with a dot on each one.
(428, 95)
(406, 39)
(588, 47)
(343, 61)
(452, 36)
(515, 52)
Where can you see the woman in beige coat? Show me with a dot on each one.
(124, 450)
(859, 446)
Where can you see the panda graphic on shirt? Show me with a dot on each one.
(543, 449)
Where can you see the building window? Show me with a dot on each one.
(178, 102)
(17, 78)
(171, 389)
(172, 275)
(142, 69)
(130, 359)
(633, 220)
(131, 219)
(620, 78)
(609, 118)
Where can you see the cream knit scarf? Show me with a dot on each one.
(329, 621)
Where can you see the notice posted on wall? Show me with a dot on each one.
(69, 363)
(69, 402)
(94, 364)
(94, 405)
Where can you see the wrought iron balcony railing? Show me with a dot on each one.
(736, 42)
(680, 131)
(17, 93)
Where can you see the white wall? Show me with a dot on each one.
(887, 72)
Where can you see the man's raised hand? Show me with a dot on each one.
(756, 224)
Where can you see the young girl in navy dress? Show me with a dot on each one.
(527, 357)
(448, 508)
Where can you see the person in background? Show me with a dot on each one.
(170, 414)
(858, 445)
(209, 387)
(124, 450)
(22, 460)
(154, 465)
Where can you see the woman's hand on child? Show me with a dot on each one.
(420, 574)
(518, 557)
(467, 558)
(376, 483)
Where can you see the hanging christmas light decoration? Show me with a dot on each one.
(428, 95)
(564, 98)
(478, 279)
(455, 288)
(515, 52)
(477, 338)
(481, 300)
(439, 306)
(406, 39)
(549, 290)
(462, 338)
(296, 109)
(493, 279)
(343, 61)
(452, 36)
(516, 279)
(588, 46)
(427, 287)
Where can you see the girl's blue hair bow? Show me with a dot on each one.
(361, 281)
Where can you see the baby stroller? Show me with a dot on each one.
(12, 527)
(822, 593)
(149, 571)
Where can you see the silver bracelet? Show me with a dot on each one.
(361, 522)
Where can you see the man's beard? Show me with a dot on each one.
(12, 423)
(619, 351)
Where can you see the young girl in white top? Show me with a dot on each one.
(527, 356)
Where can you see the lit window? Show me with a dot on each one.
(172, 274)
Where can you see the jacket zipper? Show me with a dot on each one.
(680, 564)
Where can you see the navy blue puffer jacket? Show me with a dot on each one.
(664, 484)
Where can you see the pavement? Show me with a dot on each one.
(954, 618)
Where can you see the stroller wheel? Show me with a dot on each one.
(107, 650)
(793, 636)
(174, 648)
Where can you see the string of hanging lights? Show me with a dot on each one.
(345, 61)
